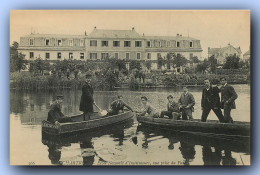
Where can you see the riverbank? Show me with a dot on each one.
(25, 80)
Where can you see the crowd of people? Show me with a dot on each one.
(180, 110)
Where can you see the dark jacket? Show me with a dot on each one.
(186, 100)
(228, 94)
(119, 105)
(55, 113)
(210, 98)
(173, 107)
(86, 101)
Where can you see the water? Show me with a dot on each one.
(122, 144)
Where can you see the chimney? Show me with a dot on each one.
(133, 28)
(177, 34)
(85, 33)
(95, 28)
(143, 34)
(180, 34)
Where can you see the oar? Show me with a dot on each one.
(101, 111)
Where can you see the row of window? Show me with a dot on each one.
(59, 42)
(47, 55)
(93, 43)
(93, 56)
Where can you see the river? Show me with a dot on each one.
(123, 144)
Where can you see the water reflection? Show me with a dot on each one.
(84, 139)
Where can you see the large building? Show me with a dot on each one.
(221, 53)
(101, 44)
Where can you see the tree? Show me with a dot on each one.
(179, 60)
(202, 67)
(148, 64)
(213, 63)
(194, 59)
(39, 66)
(232, 62)
(17, 60)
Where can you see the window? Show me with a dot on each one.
(191, 55)
(81, 55)
(160, 44)
(93, 43)
(59, 55)
(191, 44)
(70, 55)
(31, 42)
(59, 42)
(127, 56)
(116, 55)
(70, 42)
(159, 55)
(138, 43)
(148, 43)
(93, 56)
(47, 42)
(81, 43)
(127, 43)
(104, 43)
(104, 56)
(116, 43)
(138, 55)
(31, 55)
(148, 56)
(47, 55)
(178, 44)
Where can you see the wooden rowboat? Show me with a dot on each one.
(211, 126)
(96, 121)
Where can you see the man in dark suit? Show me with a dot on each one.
(118, 105)
(172, 109)
(186, 103)
(87, 101)
(55, 115)
(228, 97)
(210, 101)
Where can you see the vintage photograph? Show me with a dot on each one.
(130, 87)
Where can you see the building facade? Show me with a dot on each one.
(102, 44)
(221, 53)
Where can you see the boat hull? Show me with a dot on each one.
(236, 128)
(79, 125)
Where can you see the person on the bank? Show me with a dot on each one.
(228, 97)
(210, 101)
(148, 109)
(55, 115)
(173, 109)
(117, 106)
(186, 102)
(87, 101)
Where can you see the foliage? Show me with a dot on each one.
(179, 60)
(202, 67)
(232, 62)
(17, 60)
(213, 63)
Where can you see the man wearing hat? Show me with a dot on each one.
(118, 105)
(87, 101)
(55, 115)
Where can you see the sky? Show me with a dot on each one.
(214, 28)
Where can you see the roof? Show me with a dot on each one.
(247, 53)
(170, 37)
(101, 33)
(219, 50)
(55, 36)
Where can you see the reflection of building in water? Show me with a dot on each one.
(188, 152)
(119, 136)
(87, 151)
(211, 157)
(172, 141)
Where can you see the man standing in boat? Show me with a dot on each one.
(117, 106)
(210, 101)
(173, 110)
(55, 115)
(228, 97)
(186, 102)
(87, 101)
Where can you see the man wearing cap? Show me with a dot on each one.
(172, 109)
(55, 115)
(186, 102)
(87, 101)
(117, 106)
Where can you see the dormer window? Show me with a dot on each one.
(178, 44)
(191, 44)
(31, 42)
